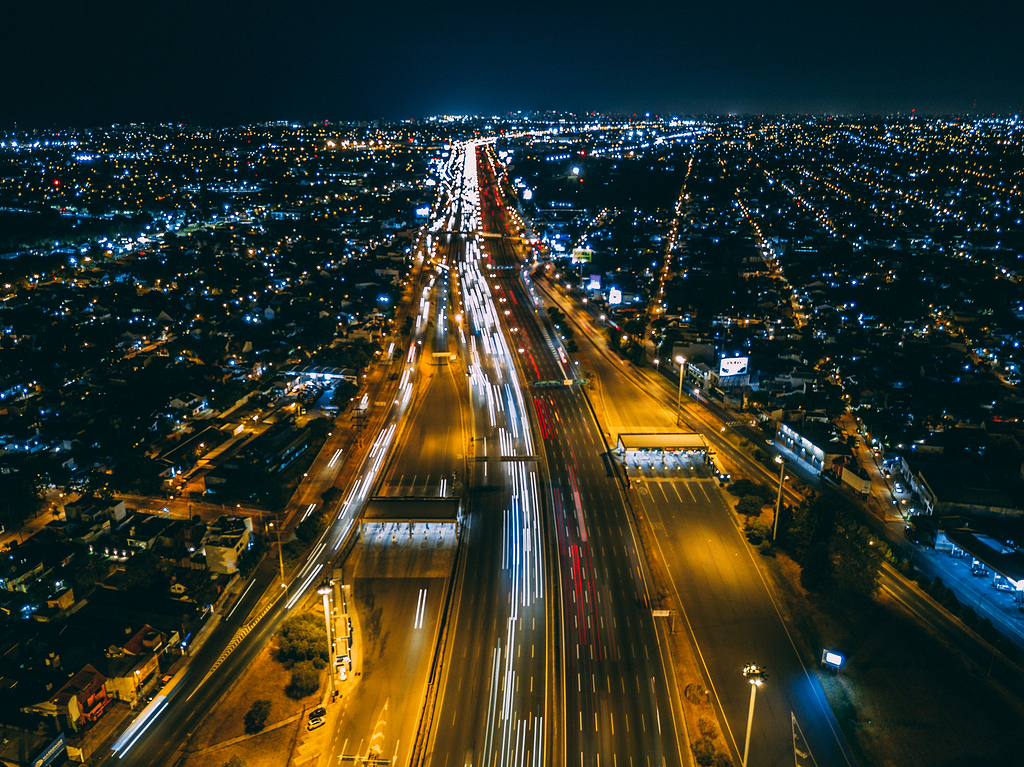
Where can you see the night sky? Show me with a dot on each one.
(221, 63)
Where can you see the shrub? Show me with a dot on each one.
(302, 638)
(757, 531)
(256, 717)
(706, 727)
(749, 505)
(704, 751)
(305, 681)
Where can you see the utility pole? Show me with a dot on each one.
(778, 503)
(280, 552)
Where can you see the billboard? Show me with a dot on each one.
(732, 366)
(595, 282)
(614, 296)
(49, 754)
(581, 255)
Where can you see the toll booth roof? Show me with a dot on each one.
(411, 509)
(662, 441)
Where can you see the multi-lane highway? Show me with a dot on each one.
(492, 707)
(617, 695)
(726, 605)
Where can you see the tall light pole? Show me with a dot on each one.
(681, 361)
(325, 592)
(756, 676)
(778, 504)
(280, 553)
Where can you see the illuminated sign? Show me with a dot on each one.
(595, 282)
(831, 659)
(580, 255)
(51, 752)
(423, 212)
(732, 366)
(614, 296)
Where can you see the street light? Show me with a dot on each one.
(681, 361)
(280, 551)
(778, 504)
(325, 592)
(755, 675)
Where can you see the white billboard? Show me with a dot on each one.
(595, 282)
(614, 297)
(732, 366)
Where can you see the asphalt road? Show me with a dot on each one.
(492, 706)
(617, 698)
(399, 576)
(729, 608)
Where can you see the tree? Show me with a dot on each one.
(344, 391)
(305, 680)
(256, 717)
(144, 572)
(835, 552)
(749, 505)
(856, 559)
(87, 571)
(301, 639)
(236, 761)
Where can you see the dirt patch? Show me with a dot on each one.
(902, 698)
(265, 678)
(268, 749)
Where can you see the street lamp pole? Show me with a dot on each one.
(778, 504)
(756, 676)
(679, 397)
(280, 552)
(325, 592)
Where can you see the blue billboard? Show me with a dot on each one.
(51, 753)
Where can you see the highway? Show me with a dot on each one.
(617, 695)
(398, 576)
(494, 694)
(728, 608)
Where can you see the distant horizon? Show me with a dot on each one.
(662, 116)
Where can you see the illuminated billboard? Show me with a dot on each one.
(582, 255)
(732, 366)
(614, 296)
(595, 282)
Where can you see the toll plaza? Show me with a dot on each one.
(662, 455)
(627, 445)
(391, 511)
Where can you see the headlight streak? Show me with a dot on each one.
(509, 738)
